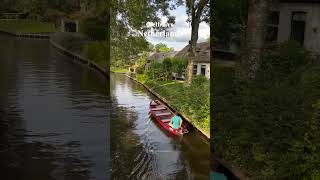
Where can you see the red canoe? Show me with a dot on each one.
(162, 114)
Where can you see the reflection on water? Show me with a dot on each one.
(53, 115)
(140, 149)
(54, 119)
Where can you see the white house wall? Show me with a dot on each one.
(311, 38)
(207, 69)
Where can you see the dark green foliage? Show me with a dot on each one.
(229, 20)
(96, 52)
(26, 26)
(163, 48)
(96, 32)
(94, 28)
(125, 52)
(268, 126)
(163, 71)
(178, 66)
(38, 7)
(283, 60)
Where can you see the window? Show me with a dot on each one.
(203, 70)
(298, 23)
(272, 26)
(70, 26)
(195, 69)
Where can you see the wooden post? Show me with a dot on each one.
(77, 26)
(62, 25)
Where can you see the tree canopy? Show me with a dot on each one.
(130, 19)
(230, 18)
(161, 47)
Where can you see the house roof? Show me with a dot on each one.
(202, 52)
(74, 15)
(161, 55)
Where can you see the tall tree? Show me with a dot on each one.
(129, 19)
(198, 11)
(255, 38)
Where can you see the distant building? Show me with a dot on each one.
(70, 22)
(159, 57)
(297, 20)
(201, 64)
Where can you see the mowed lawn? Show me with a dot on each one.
(26, 26)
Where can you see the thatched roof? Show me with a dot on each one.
(202, 52)
(74, 15)
(159, 56)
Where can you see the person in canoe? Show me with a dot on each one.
(175, 122)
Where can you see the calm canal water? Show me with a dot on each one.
(53, 115)
(143, 150)
(55, 123)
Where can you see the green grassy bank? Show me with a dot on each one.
(119, 70)
(26, 26)
(80, 44)
(193, 101)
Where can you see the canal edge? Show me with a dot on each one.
(207, 136)
(237, 172)
(90, 64)
(28, 35)
(47, 36)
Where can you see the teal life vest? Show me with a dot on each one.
(176, 122)
(217, 176)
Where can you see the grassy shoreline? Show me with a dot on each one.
(119, 70)
(27, 26)
(175, 92)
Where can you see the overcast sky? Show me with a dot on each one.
(180, 31)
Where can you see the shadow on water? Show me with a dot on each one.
(53, 115)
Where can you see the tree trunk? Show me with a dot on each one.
(196, 13)
(255, 38)
(108, 59)
(193, 45)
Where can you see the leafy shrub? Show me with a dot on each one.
(96, 32)
(96, 52)
(268, 126)
(283, 60)
(179, 65)
(163, 71)
(141, 62)
(94, 29)
(140, 70)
